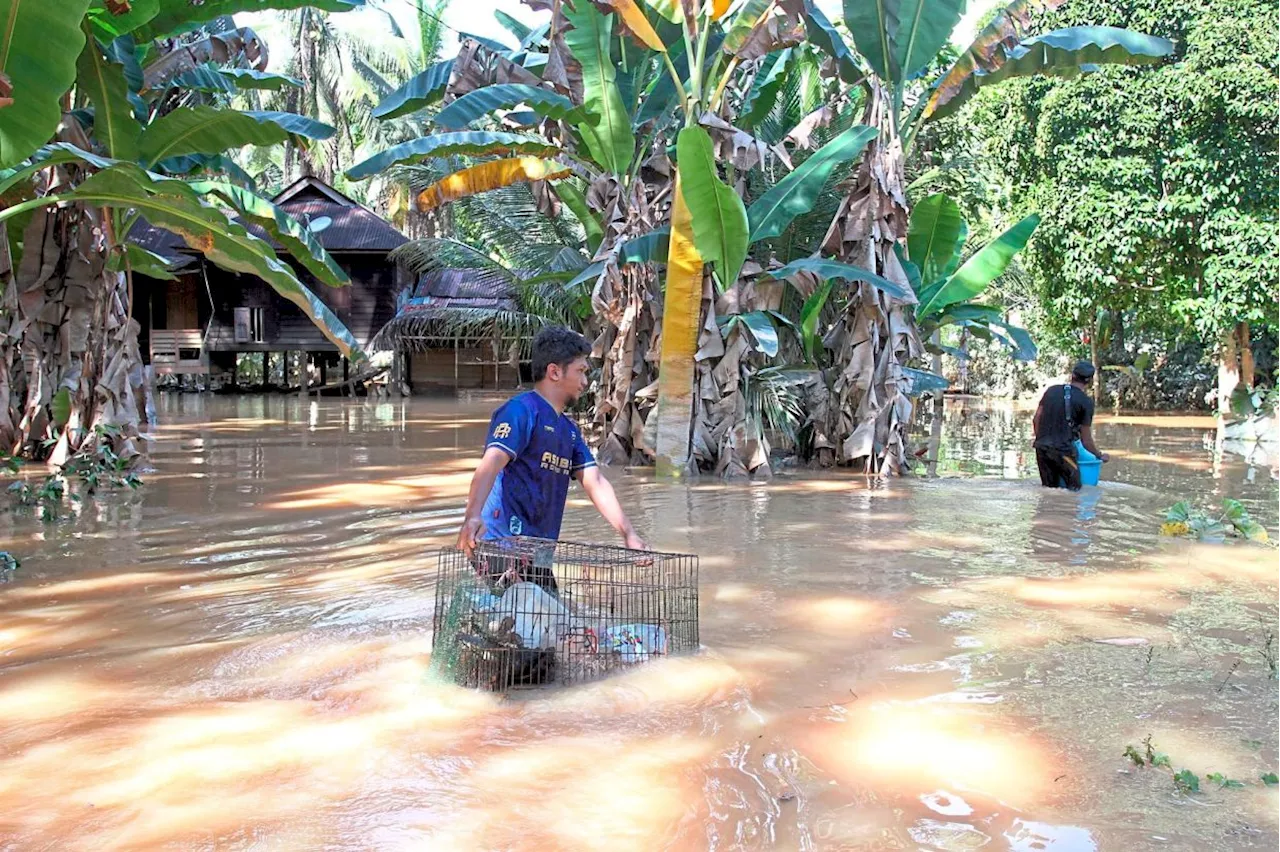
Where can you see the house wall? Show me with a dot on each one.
(364, 306)
(433, 370)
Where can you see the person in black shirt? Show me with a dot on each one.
(1065, 415)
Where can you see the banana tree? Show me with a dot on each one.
(895, 41)
(100, 134)
(578, 116)
(947, 290)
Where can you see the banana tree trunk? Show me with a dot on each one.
(681, 319)
(876, 335)
(627, 302)
(65, 326)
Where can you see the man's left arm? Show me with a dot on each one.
(606, 502)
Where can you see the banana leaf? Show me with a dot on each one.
(719, 218)
(796, 194)
(936, 236)
(810, 315)
(481, 103)
(977, 273)
(108, 25)
(173, 205)
(488, 176)
(104, 84)
(900, 37)
(252, 78)
(474, 142)
(638, 24)
(181, 15)
(141, 262)
(40, 41)
(1061, 53)
(208, 130)
(823, 34)
(419, 92)
(296, 237)
(606, 128)
(834, 270)
(576, 201)
(923, 381)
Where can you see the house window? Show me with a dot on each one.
(250, 325)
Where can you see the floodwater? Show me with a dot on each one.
(235, 657)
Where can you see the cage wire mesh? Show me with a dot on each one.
(523, 612)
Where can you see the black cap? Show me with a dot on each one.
(1082, 370)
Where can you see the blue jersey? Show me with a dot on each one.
(546, 451)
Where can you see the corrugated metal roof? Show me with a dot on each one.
(463, 285)
(351, 227)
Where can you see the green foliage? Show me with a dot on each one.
(798, 191)
(1223, 781)
(1156, 185)
(1270, 779)
(976, 274)
(177, 15)
(445, 144)
(207, 130)
(96, 465)
(419, 92)
(1184, 519)
(103, 82)
(483, 102)
(900, 37)
(719, 217)
(174, 205)
(834, 270)
(607, 128)
(1064, 53)
(39, 44)
(1186, 781)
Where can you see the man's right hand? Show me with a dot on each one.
(471, 532)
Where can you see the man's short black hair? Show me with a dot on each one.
(557, 345)
(1082, 372)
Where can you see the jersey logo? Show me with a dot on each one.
(516, 526)
(502, 430)
(555, 463)
(549, 428)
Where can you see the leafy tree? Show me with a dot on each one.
(1157, 188)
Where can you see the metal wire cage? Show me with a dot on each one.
(523, 612)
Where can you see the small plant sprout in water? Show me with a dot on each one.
(1148, 756)
(1183, 519)
(95, 466)
(1223, 781)
(1187, 781)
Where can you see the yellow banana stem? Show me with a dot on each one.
(681, 319)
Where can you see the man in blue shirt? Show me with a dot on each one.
(532, 452)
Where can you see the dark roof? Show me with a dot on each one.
(167, 244)
(351, 227)
(443, 297)
(461, 288)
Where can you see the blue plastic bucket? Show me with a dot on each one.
(1090, 465)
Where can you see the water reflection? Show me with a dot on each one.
(236, 656)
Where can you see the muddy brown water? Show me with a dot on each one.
(235, 657)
